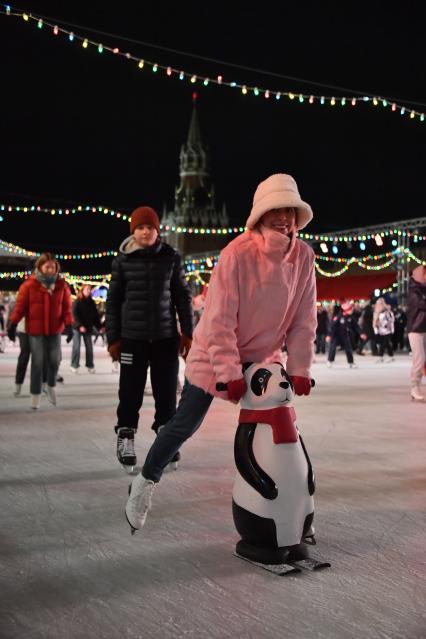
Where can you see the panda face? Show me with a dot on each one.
(268, 386)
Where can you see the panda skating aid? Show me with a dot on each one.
(272, 504)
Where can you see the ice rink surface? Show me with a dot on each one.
(70, 568)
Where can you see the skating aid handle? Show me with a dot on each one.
(220, 386)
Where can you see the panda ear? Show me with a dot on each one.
(246, 365)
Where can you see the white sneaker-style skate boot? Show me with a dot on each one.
(416, 394)
(35, 401)
(51, 395)
(17, 391)
(126, 449)
(139, 502)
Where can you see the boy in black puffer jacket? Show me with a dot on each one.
(147, 290)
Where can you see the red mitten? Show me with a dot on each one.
(302, 385)
(236, 389)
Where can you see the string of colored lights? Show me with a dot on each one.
(211, 261)
(322, 238)
(10, 208)
(100, 279)
(245, 89)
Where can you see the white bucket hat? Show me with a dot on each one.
(275, 192)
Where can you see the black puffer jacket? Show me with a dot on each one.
(416, 303)
(85, 314)
(147, 290)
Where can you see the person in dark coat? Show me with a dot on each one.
(148, 292)
(416, 327)
(86, 318)
(398, 336)
(323, 329)
(367, 331)
(342, 325)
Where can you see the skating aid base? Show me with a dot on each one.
(310, 564)
(282, 570)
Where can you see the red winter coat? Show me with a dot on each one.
(46, 313)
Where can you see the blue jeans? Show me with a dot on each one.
(193, 406)
(75, 353)
(45, 353)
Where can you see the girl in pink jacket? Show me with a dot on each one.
(261, 297)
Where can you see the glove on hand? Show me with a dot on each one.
(184, 346)
(302, 385)
(68, 333)
(11, 332)
(114, 350)
(236, 389)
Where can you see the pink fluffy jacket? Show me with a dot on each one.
(262, 295)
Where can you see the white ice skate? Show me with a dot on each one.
(35, 401)
(51, 395)
(139, 502)
(126, 449)
(416, 394)
(18, 388)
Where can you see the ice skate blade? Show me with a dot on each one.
(132, 528)
(130, 470)
(282, 570)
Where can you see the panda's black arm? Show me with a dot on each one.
(247, 465)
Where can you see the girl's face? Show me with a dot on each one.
(145, 235)
(86, 291)
(282, 220)
(48, 268)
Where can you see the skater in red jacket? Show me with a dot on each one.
(44, 299)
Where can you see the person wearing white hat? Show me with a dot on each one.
(261, 297)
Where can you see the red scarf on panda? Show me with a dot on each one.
(281, 420)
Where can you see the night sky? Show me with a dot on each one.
(79, 127)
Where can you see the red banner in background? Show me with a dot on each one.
(353, 287)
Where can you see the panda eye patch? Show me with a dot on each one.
(259, 381)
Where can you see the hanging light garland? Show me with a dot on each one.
(10, 208)
(218, 80)
(234, 230)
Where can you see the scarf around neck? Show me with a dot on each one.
(48, 281)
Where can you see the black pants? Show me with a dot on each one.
(385, 343)
(162, 358)
(345, 342)
(23, 357)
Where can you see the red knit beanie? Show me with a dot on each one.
(144, 215)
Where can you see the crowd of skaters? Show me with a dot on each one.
(373, 327)
(379, 329)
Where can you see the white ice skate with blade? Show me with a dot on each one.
(416, 394)
(139, 502)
